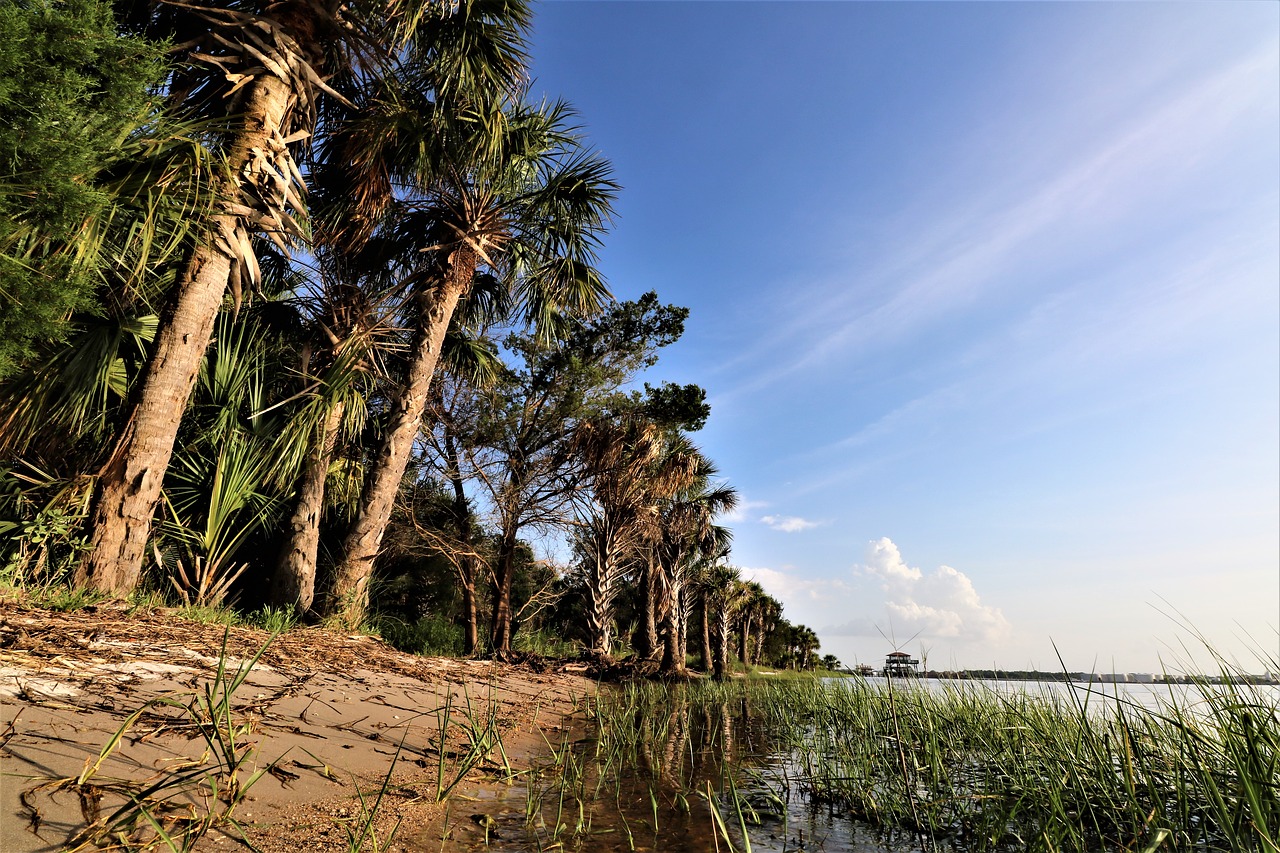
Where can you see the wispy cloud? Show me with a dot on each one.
(1115, 178)
(787, 523)
(941, 604)
(796, 593)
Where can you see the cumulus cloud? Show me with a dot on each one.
(788, 523)
(942, 604)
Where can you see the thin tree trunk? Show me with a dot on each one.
(294, 582)
(500, 629)
(706, 636)
(757, 654)
(682, 627)
(129, 484)
(349, 597)
(746, 639)
(466, 559)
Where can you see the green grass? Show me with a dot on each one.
(963, 767)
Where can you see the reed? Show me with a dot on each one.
(964, 767)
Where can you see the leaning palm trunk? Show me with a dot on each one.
(130, 482)
(294, 582)
(349, 596)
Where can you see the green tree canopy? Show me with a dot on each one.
(71, 91)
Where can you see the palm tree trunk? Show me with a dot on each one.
(706, 635)
(601, 590)
(682, 627)
(672, 658)
(349, 597)
(649, 632)
(758, 652)
(723, 639)
(294, 581)
(129, 484)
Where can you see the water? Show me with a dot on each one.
(686, 770)
(1099, 696)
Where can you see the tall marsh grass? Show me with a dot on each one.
(965, 767)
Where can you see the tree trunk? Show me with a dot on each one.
(682, 627)
(757, 654)
(294, 582)
(349, 597)
(500, 629)
(746, 639)
(467, 557)
(649, 631)
(723, 639)
(672, 658)
(129, 484)
(706, 636)
(601, 589)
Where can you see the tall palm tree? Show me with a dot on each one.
(339, 366)
(724, 584)
(631, 468)
(686, 530)
(767, 616)
(754, 602)
(258, 69)
(527, 209)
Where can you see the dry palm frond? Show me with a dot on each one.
(205, 584)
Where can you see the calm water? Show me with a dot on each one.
(1153, 697)
(664, 799)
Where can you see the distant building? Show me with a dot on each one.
(1141, 678)
(900, 665)
(1113, 678)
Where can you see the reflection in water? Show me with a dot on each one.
(855, 767)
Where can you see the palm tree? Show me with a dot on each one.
(724, 584)
(687, 530)
(527, 208)
(631, 468)
(258, 69)
(348, 329)
(753, 603)
(768, 614)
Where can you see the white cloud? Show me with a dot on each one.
(788, 523)
(942, 604)
(796, 591)
(740, 511)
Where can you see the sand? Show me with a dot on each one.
(322, 716)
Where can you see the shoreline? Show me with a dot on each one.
(318, 724)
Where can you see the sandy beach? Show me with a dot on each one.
(322, 719)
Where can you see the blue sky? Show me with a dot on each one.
(986, 298)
